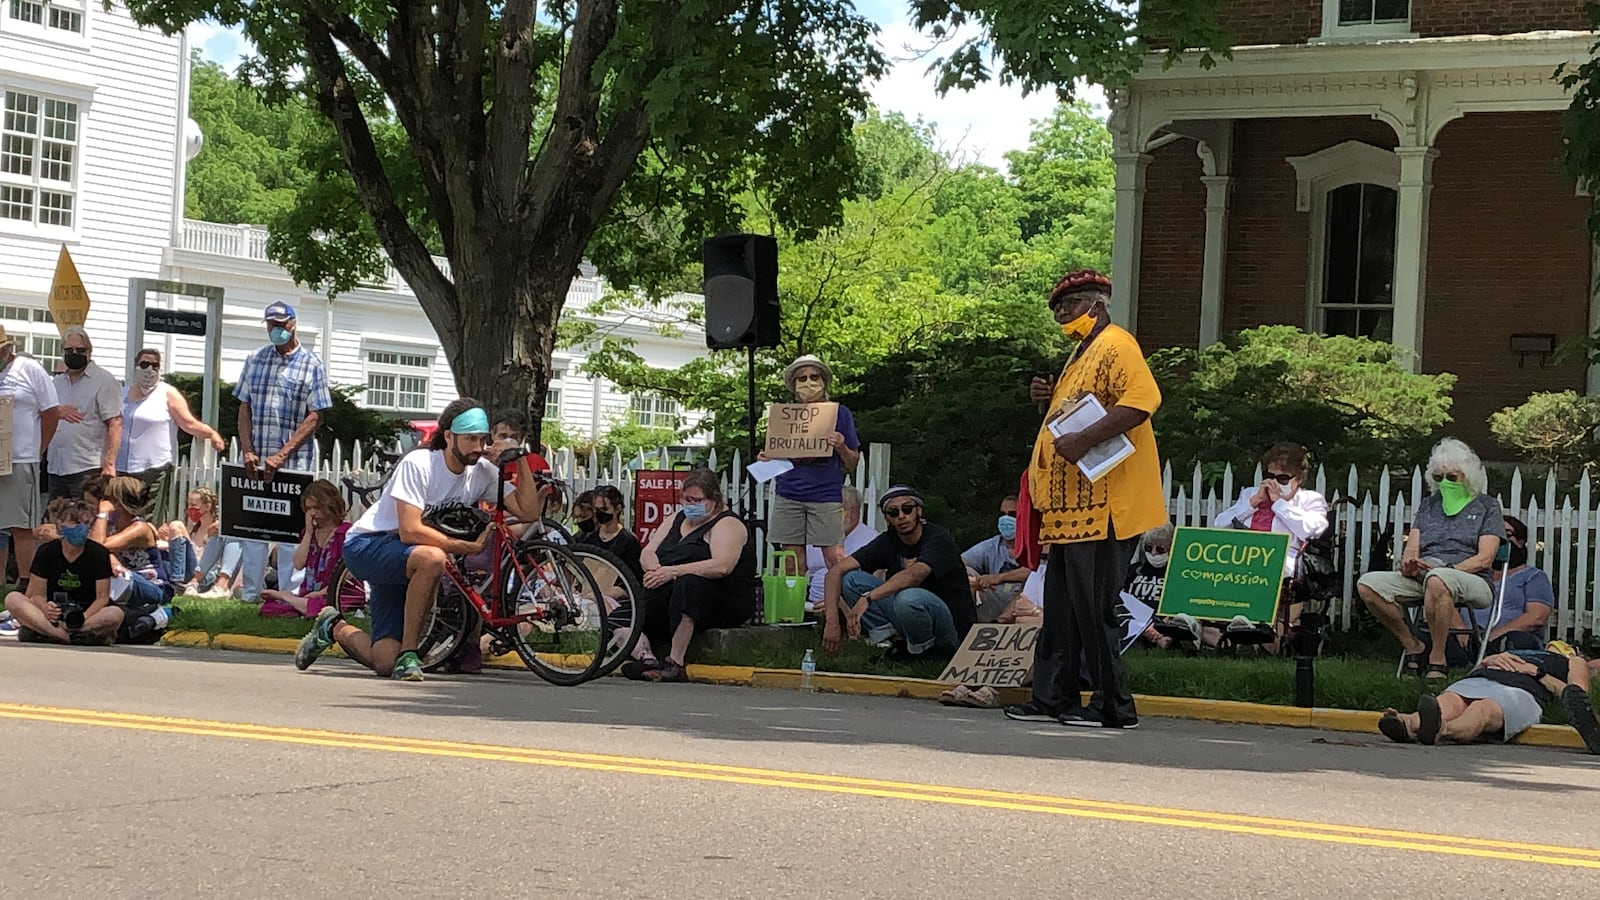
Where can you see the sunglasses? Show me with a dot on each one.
(1280, 477)
(895, 512)
(1448, 476)
(147, 364)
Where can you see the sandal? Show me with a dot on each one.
(1414, 663)
(1437, 672)
(1394, 728)
(1430, 719)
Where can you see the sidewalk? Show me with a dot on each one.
(1227, 711)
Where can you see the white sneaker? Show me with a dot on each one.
(1189, 622)
(215, 593)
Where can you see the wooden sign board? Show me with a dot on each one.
(801, 430)
(994, 655)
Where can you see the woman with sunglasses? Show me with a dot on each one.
(1280, 504)
(152, 413)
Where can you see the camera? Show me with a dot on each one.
(71, 613)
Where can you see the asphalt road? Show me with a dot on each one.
(173, 774)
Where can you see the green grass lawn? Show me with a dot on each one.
(1360, 678)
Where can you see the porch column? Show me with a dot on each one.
(1128, 238)
(1411, 249)
(1219, 189)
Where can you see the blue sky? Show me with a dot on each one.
(980, 124)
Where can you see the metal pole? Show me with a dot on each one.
(748, 507)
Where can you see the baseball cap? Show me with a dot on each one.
(278, 312)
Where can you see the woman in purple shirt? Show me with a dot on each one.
(808, 509)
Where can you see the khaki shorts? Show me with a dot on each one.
(1468, 590)
(20, 504)
(792, 523)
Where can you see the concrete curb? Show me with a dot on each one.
(1226, 711)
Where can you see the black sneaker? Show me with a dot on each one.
(1032, 711)
(1082, 718)
(1127, 724)
(1581, 715)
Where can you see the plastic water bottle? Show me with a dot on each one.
(808, 668)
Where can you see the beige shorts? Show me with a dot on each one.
(792, 523)
(1468, 590)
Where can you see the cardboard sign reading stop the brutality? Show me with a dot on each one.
(994, 655)
(655, 500)
(801, 430)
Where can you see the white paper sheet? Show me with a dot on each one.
(1142, 615)
(1102, 457)
(764, 472)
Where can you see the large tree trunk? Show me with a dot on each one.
(509, 332)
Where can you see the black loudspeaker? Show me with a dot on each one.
(741, 290)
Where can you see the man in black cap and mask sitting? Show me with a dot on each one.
(925, 606)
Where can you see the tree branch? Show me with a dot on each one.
(337, 100)
(511, 115)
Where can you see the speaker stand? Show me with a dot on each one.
(747, 503)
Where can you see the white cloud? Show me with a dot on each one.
(984, 122)
(224, 46)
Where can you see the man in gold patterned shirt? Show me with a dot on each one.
(1089, 528)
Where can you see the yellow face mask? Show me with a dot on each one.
(1080, 327)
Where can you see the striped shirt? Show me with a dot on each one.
(282, 389)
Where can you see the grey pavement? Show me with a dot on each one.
(90, 810)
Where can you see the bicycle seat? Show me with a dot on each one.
(385, 456)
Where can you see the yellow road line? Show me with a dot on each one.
(1353, 835)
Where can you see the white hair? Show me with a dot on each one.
(852, 498)
(1159, 533)
(78, 330)
(1453, 454)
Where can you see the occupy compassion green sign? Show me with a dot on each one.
(1219, 573)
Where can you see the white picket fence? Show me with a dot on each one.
(1563, 530)
(201, 468)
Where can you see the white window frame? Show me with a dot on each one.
(398, 362)
(659, 407)
(43, 30)
(1317, 174)
(34, 180)
(552, 396)
(34, 330)
(1333, 31)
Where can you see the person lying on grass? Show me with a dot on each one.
(1502, 698)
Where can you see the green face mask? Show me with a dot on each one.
(1455, 495)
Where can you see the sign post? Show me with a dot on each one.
(655, 499)
(209, 325)
(1220, 573)
(801, 430)
(260, 510)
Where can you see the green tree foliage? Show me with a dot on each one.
(1558, 429)
(344, 422)
(249, 169)
(931, 250)
(958, 417)
(1346, 399)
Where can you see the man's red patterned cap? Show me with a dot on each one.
(1082, 279)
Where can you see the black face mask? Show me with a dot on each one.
(1519, 556)
(604, 518)
(587, 525)
(75, 361)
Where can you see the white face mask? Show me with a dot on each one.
(1159, 560)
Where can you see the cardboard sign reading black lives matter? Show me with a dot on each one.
(993, 655)
(801, 430)
(259, 510)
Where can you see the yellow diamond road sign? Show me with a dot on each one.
(69, 302)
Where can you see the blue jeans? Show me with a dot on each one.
(181, 564)
(223, 555)
(915, 614)
(253, 575)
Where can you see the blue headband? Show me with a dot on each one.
(472, 421)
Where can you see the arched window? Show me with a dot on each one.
(1358, 262)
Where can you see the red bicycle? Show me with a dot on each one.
(533, 595)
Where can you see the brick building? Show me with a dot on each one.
(1372, 167)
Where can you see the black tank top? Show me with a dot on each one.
(678, 548)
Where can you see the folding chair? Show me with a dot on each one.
(1477, 635)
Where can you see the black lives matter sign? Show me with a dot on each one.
(260, 510)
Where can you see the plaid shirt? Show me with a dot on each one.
(282, 391)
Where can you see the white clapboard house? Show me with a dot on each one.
(93, 143)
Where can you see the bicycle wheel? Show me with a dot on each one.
(624, 604)
(564, 639)
(446, 624)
